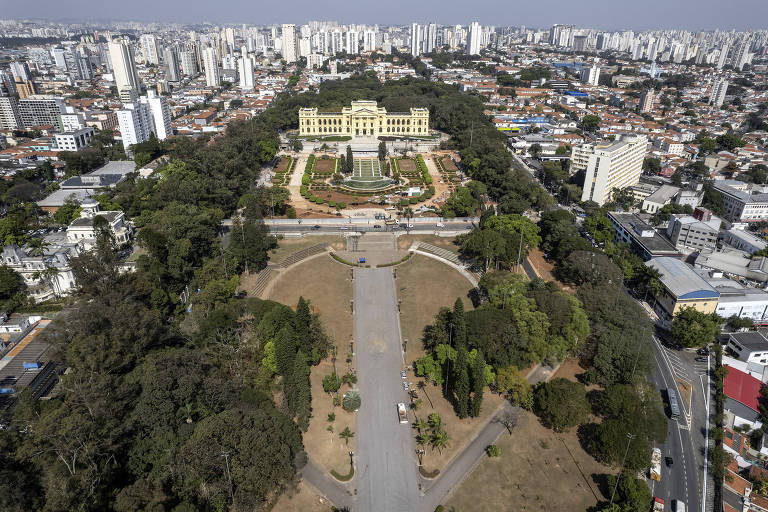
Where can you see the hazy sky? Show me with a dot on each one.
(602, 14)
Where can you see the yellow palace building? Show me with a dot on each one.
(363, 119)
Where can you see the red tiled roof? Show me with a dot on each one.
(742, 387)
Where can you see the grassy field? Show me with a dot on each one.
(287, 247)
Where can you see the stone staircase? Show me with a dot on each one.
(303, 254)
(443, 253)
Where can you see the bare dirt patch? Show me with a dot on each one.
(287, 247)
(538, 470)
(545, 269)
(282, 164)
(449, 164)
(407, 165)
(325, 165)
(303, 498)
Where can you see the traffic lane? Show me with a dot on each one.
(302, 228)
(386, 472)
(682, 482)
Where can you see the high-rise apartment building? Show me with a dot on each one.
(609, 166)
(288, 34)
(10, 118)
(741, 58)
(591, 75)
(135, 122)
(352, 40)
(161, 114)
(723, 55)
(245, 70)
(415, 40)
(473, 39)
(188, 62)
(149, 49)
(717, 96)
(430, 38)
(41, 110)
(171, 58)
(211, 65)
(646, 100)
(124, 70)
(20, 70)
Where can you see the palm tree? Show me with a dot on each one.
(435, 422)
(422, 439)
(440, 441)
(408, 214)
(346, 434)
(421, 425)
(423, 388)
(416, 405)
(37, 246)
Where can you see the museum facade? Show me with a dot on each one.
(363, 119)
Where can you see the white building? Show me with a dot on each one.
(81, 231)
(608, 166)
(124, 70)
(135, 120)
(74, 140)
(415, 39)
(473, 39)
(149, 49)
(245, 70)
(211, 65)
(40, 109)
(743, 240)
(288, 34)
(591, 75)
(10, 118)
(47, 276)
(352, 42)
(161, 115)
(717, 96)
(743, 202)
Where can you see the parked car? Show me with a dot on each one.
(405, 385)
(703, 351)
(402, 374)
(668, 461)
(377, 226)
(701, 359)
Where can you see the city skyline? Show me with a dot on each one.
(600, 14)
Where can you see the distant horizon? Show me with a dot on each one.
(604, 15)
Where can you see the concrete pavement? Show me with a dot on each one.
(334, 491)
(385, 464)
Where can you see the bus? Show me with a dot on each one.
(674, 409)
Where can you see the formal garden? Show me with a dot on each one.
(283, 170)
(349, 180)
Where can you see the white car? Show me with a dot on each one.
(440, 225)
(390, 208)
(405, 385)
(402, 374)
(410, 226)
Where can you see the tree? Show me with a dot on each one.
(68, 212)
(460, 384)
(561, 404)
(590, 267)
(459, 324)
(513, 384)
(331, 383)
(346, 435)
(285, 350)
(440, 441)
(351, 401)
(535, 150)
(632, 494)
(302, 325)
(730, 141)
(478, 385)
(735, 322)
(299, 393)
(382, 151)
(692, 328)
(590, 123)
(10, 282)
(350, 160)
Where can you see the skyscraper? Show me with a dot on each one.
(352, 43)
(431, 38)
(717, 96)
(473, 39)
(415, 40)
(646, 101)
(20, 70)
(723, 55)
(741, 58)
(124, 69)
(161, 114)
(289, 42)
(10, 118)
(591, 75)
(211, 65)
(188, 62)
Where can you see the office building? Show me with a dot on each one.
(124, 70)
(473, 39)
(40, 110)
(173, 73)
(609, 166)
(717, 96)
(10, 118)
(288, 34)
(640, 236)
(211, 65)
(694, 232)
(646, 100)
(415, 40)
(245, 70)
(74, 140)
(743, 202)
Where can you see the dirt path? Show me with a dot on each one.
(442, 190)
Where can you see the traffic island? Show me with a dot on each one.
(429, 475)
(344, 478)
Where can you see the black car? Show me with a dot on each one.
(701, 359)
(316, 226)
(668, 461)
(377, 226)
(703, 351)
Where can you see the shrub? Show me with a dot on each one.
(332, 204)
(493, 451)
(341, 205)
(306, 179)
(290, 213)
(351, 401)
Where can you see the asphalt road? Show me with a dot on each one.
(684, 480)
(331, 489)
(308, 227)
(385, 463)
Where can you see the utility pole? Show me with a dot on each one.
(229, 477)
(630, 437)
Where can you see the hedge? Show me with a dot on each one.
(342, 260)
(310, 164)
(306, 179)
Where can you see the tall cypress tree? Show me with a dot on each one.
(301, 324)
(301, 394)
(350, 160)
(459, 324)
(461, 382)
(478, 385)
(285, 351)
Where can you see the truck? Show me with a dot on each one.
(402, 413)
(32, 366)
(658, 504)
(656, 464)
